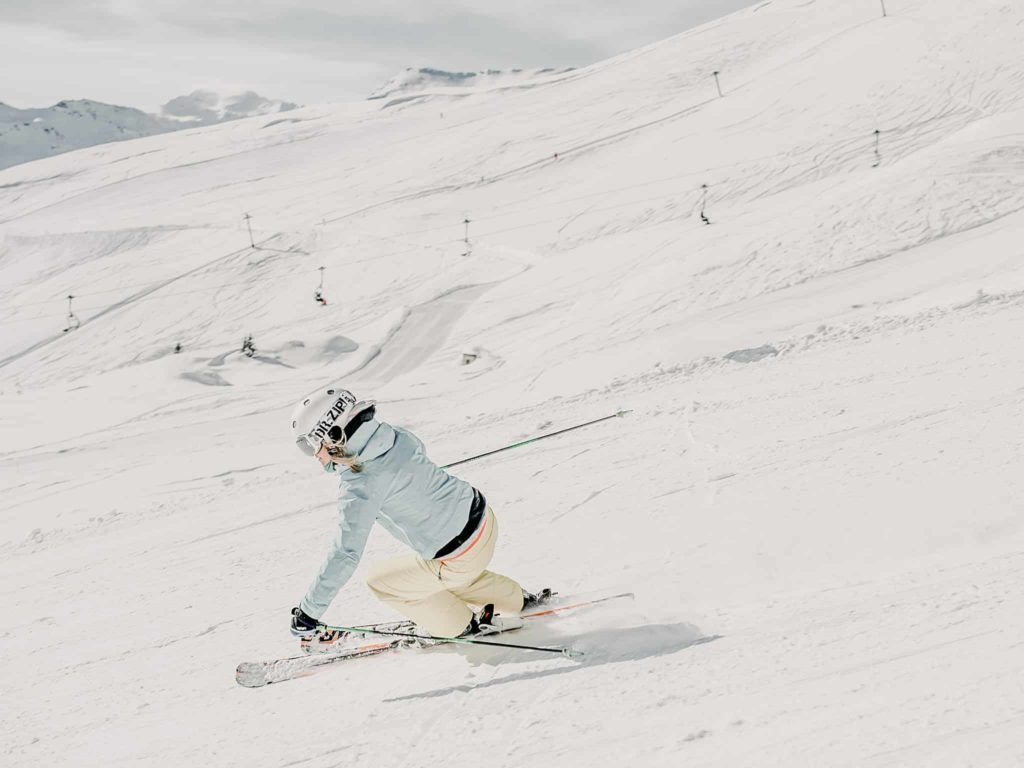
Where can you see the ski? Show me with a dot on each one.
(572, 606)
(259, 673)
(255, 674)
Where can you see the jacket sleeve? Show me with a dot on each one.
(356, 515)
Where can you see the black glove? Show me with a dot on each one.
(303, 625)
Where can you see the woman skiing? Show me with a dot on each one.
(385, 475)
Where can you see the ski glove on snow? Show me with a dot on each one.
(303, 625)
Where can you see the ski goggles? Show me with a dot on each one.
(311, 442)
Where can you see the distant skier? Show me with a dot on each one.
(384, 475)
(248, 348)
(318, 297)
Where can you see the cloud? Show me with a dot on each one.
(87, 18)
(141, 53)
(147, 72)
(460, 39)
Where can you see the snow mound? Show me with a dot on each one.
(209, 378)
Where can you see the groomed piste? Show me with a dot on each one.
(790, 242)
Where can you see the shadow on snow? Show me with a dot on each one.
(600, 647)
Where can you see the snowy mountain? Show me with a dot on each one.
(30, 134)
(207, 107)
(807, 289)
(413, 81)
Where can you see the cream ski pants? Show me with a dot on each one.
(437, 594)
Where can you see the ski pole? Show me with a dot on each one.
(571, 653)
(535, 439)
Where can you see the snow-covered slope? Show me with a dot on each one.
(31, 134)
(816, 497)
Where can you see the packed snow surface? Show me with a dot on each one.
(816, 496)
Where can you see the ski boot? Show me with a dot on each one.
(323, 641)
(531, 600)
(487, 622)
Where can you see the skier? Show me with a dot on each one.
(248, 348)
(384, 475)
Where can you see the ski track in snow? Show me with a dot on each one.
(422, 332)
(823, 532)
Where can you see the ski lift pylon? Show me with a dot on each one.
(73, 323)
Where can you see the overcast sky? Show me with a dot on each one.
(141, 53)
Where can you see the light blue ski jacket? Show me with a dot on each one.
(416, 501)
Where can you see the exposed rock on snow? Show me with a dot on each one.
(411, 81)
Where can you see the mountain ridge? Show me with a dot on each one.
(38, 132)
(412, 80)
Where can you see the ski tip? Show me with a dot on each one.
(248, 676)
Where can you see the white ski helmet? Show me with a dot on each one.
(322, 417)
